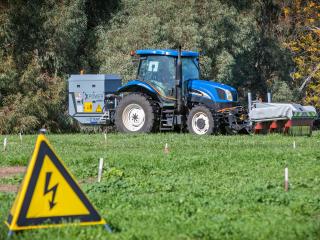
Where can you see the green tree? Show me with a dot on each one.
(40, 43)
(301, 20)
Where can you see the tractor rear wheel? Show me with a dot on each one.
(134, 114)
(200, 121)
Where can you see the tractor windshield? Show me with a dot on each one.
(160, 72)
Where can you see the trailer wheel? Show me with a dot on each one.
(200, 121)
(134, 114)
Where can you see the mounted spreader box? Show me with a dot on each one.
(89, 94)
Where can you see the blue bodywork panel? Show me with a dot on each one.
(209, 90)
(167, 52)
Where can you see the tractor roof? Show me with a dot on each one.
(166, 52)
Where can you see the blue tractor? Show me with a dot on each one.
(167, 94)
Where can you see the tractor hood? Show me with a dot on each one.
(207, 91)
(217, 92)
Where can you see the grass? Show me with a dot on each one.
(213, 187)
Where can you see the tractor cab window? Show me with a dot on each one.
(159, 72)
(190, 69)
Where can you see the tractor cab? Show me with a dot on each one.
(158, 68)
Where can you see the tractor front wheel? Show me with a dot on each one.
(134, 114)
(200, 121)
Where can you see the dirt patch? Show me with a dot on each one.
(6, 172)
(11, 171)
(8, 188)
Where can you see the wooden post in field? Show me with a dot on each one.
(166, 149)
(20, 136)
(105, 137)
(286, 179)
(5, 144)
(100, 169)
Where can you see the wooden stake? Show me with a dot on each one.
(166, 149)
(100, 169)
(5, 144)
(105, 137)
(20, 136)
(286, 179)
(294, 144)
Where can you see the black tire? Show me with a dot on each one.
(137, 100)
(204, 125)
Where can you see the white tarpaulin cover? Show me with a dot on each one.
(277, 111)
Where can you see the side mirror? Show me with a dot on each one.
(135, 62)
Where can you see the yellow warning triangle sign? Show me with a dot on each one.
(99, 109)
(49, 195)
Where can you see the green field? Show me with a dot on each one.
(212, 187)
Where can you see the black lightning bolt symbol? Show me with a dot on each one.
(53, 190)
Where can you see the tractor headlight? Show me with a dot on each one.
(229, 95)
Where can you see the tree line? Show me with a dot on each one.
(253, 45)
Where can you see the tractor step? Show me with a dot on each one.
(165, 129)
(168, 111)
(166, 120)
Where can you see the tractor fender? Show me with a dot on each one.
(139, 87)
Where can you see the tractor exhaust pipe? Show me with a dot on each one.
(179, 83)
